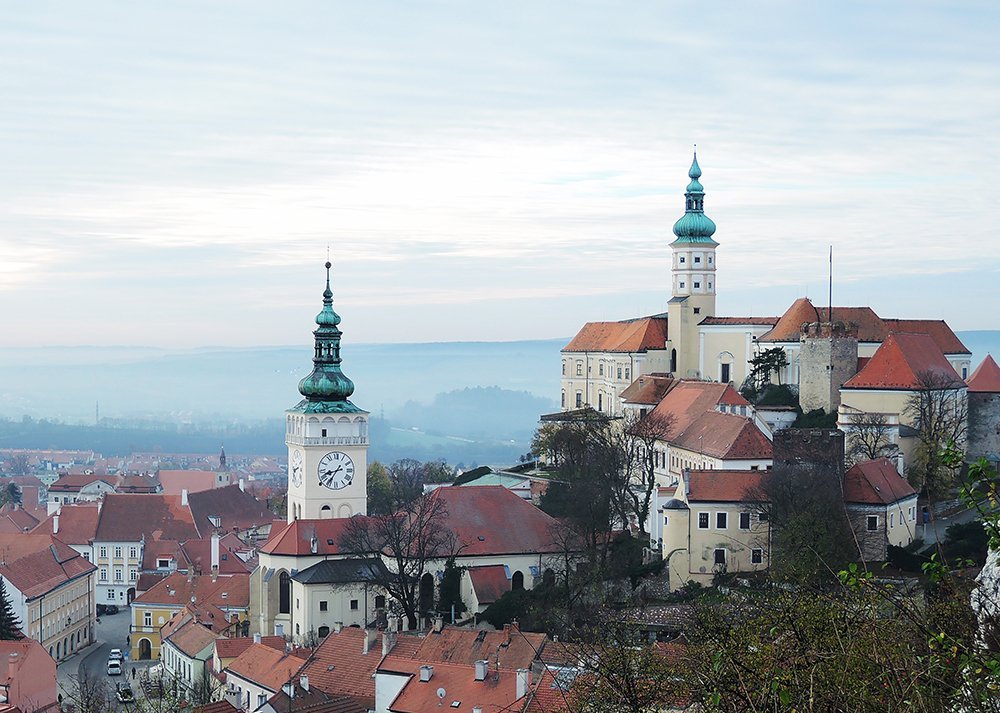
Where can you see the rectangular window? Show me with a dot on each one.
(682, 285)
(147, 618)
(118, 574)
(697, 285)
(111, 594)
(322, 606)
(600, 369)
(725, 374)
(892, 519)
(721, 520)
(703, 521)
(697, 310)
(697, 260)
(744, 521)
(682, 259)
(872, 523)
(579, 399)
(133, 574)
(322, 433)
(354, 605)
(720, 556)
(579, 368)
(564, 368)
(562, 402)
(86, 556)
(763, 517)
(619, 372)
(627, 372)
(132, 553)
(104, 552)
(104, 574)
(756, 556)
(118, 552)
(162, 564)
(666, 519)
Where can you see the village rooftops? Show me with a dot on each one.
(37, 564)
(725, 486)
(77, 523)
(133, 517)
(627, 336)
(266, 667)
(340, 666)
(226, 591)
(876, 482)
(228, 509)
(497, 691)
(296, 538)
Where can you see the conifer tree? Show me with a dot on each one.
(9, 624)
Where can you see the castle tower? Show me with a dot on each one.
(828, 357)
(693, 283)
(326, 434)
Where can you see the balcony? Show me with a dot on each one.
(327, 440)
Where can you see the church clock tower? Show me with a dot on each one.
(326, 434)
(693, 278)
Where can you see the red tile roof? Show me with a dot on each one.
(192, 638)
(492, 520)
(228, 591)
(630, 335)
(231, 648)
(73, 483)
(217, 707)
(496, 693)
(489, 582)
(265, 666)
(194, 481)
(130, 517)
(725, 436)
(876, 482)
(901, 361)
(752, 321)
(77, 523)
(236, 509)
(986, 377)
(517, 649)
(37, 564)
(938, 329)
(198, 554)
(295, 538)
(726, 486)
(648, 389)
(14, 518)
(339, 667)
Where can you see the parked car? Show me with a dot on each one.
(114, 667)
(115, 655)
(107, 609)
(124, 694)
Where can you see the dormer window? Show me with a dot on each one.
(215, 520)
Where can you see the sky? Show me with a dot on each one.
(173, 174)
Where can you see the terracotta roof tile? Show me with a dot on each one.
(265, 666)
(314, 701)
(631, 335)
(194, 481)
(37, 564)
(900, 362)
(725, 486)
(339, 667)
(130, 517)
(939, 331)
(648, 389)
(73, 483)
(489, 582)
(231, 648)
(876, 482)
(77, 523)
(198, 554)
(518, 649)
(498, 692)
(227, 591)
(217, 707)
(236, 509)
(490, 520)
(192, 638)
(986, 377)
(295, 538)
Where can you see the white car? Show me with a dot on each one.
(115, 655)
(114, 668)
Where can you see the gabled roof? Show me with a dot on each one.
(37, 564)
(648, 389)
(192, 638)
(489, 582)
(266, 667)
(176, 589)
(296, 537)
(492, 520)
(138, 484)
(497, 692)
(937, 329)
(630, 335)
(725, 486)
(345, 571)
(130, 517)
(901, 361)
(198, 554)
(193, 481)
(74, 483)
(726, 436)
(518, 649)
(986, 377)
(314, 701)
(339, 666)
(876, 482)
(231, 648)
(234, 508)
(77, 523)
(14, 518)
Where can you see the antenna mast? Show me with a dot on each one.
(831, 285)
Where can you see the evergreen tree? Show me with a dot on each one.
(9, 624)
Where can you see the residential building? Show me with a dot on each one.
(186, 652)
(335, 591)
(230, 509)
(258, 673)
(302, 697)
(78, 488)
(51, 589)
(74, 525)
(27, 677)
(882, 507)
(345, 662)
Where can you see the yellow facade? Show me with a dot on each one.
(147, 619)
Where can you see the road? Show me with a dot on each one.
(111, 633)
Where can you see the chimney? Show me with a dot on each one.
(438, 624)
(304, 683)
(289, 689)
(506, 633)
(393, 624)
(523, 682)
(388, 641)
(477, 709)
(279, 630)
(337, 626)
(425, 673)
(256, 638)
(370, 636)
(215, 553)
(12, 666)
(52, 506)
(243, 489)
(184, 497)
(55, 524)
(481, 667)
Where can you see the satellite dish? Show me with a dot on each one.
(441, 693)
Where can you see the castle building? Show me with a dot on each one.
(326, 434)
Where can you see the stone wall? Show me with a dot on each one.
(984, 426)
(809, 449)
(828, 356)
(872, 543)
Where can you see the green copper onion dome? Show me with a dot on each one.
(327, 388)
(694, 226)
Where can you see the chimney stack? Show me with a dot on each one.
(438, 624)
(243, 485)
(289, 689)
(52, 506)
(55, 524)
(523, 682)
(370, 636)
(279, 630)
(426, 672)
(215, 553)
(256, 638)
(337, 626)
(304, 683)
(184, 497)
(481, 667)
(388, 641)
(12, 666)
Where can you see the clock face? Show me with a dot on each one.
(336, 470)
(295, 470)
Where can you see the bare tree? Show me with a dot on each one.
(939, 411)
(89, 693)
(410, 538)
(869, 437)
(639, 461)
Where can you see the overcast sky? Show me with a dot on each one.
(172, 173)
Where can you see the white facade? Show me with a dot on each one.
(118, 568)
(327, 464)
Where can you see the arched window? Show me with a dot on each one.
(326, 512)
(284, 593)
(323, 632)
(426, 594)
(517, 580)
